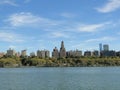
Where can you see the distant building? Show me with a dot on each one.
(87, 53)
(18, 54)
(100, 47)
(1, 54)
(108, 53)
(24, 53)
(32, 54)
(106, 47)
(55, 53)
(75, 53)
(95, 53)
(62, 50)
(43, 53)
(47, 53)
(10, 52)
(118, 53)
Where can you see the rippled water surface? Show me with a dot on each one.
(80, 78)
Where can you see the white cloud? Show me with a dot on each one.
(12, 46)
(92, 27)
(28, 19)
(112, 5)
(101, 39)
(68, 15)
(8, 2)
(10, 37)
(22, 19)
(59, 35)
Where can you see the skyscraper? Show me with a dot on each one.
(10, 52)
(100, 47)
(43, 53)
(55, 53)
(24, 53)
(106, 47)
(62, 50)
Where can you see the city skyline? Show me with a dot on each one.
(38, 25)
(62, 52)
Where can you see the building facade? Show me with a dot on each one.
(10, 52)
(62, 50)
(55, 53)
(2, 54)
(43, 53)
(24, 53)
(106, 47)
(75, 53)
(87, 53)
(32, 54)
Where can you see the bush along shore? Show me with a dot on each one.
(60, 62)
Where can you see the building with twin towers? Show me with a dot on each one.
(61, 54)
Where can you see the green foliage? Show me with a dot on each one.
(60, 62)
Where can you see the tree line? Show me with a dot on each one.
(14, 61)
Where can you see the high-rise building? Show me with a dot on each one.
(87, 53)
(106, 47)
(32, 54)
(47, 53)
(10, 52)
(18, 54)
(95, 53)
(75, 53)
(55, 53)
(43, 53)
(100, 47)
(24, 53)
(62, 50)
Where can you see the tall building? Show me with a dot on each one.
(62, 50)
(96, 53)
(100, 47)
(87, 53)
(43, 53)
(24, 53)
(10, 52)
(18, 54)
(55, 53)
(32, 54)
(75, 53)
(47, 53)
(106, 47)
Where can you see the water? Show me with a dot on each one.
(81, 78)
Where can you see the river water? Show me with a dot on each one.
(64, 78)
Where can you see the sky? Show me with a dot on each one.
(43, 24)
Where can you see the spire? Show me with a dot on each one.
(62, 44)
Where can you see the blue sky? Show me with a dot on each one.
(43, 24)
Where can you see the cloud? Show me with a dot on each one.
(112, 5)
(28, 19)
(92, 27)
(68, 15)
(59, 35)
(100, 39)
(8, 2)
(12, 46)
(10, 37)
